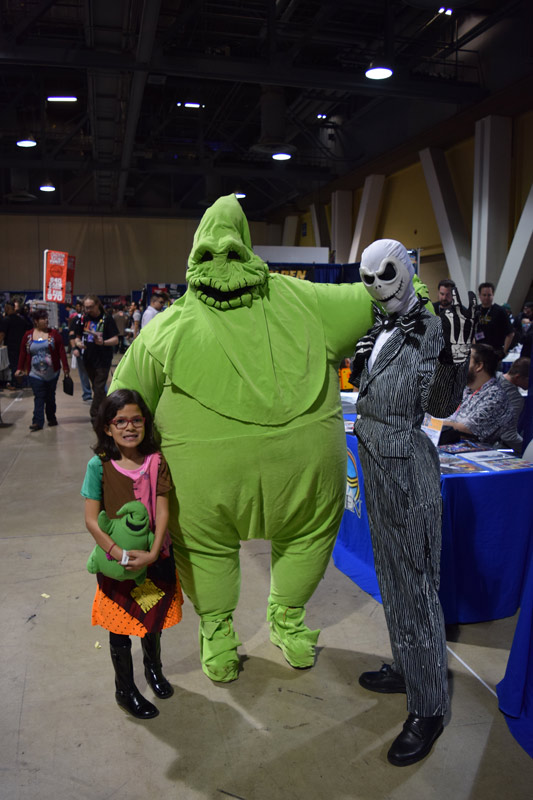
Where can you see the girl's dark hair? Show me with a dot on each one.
(105, 446)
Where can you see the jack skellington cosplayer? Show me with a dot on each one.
(410, 362)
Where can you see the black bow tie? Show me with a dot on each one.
(406, 323)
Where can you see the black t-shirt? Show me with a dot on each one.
(96, 355)
(493, 326)
(14, 326)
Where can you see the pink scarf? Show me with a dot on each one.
(145, 490)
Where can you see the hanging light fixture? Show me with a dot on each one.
(26, 141)
(380, 67)
(378, 70)
(47, 186)
(240, 195)
(62, 98)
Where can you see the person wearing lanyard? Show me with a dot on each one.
(96, 334)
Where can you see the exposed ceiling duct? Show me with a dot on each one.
(179, 101)
(19, 187)
(273, 123)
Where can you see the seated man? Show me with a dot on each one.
(484, 409)
(511, 382)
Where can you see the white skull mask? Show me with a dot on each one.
(386, 271)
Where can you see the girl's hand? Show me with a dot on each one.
(140, 559)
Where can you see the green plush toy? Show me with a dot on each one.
(131, 531)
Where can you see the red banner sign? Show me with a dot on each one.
(58, 276)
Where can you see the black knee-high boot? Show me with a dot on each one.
(127, 695)
(151, 645)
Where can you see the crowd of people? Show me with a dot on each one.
(36, 352)
(491, 406)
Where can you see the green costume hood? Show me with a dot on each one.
(223, 269)
(243, 343)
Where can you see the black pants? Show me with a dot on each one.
(98, 378)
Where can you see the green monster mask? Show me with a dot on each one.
(223, 270)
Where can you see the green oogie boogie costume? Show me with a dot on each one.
(241, 375)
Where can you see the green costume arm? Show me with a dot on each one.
(422, 291)
(346, 312)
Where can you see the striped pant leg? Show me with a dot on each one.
(406, 544)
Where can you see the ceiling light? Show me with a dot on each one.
(321, 116)
(447, 11)
(378, 70)
(281, 156)
(66, 98)
(191, 105)
(240, 195)
(47, 186)
(26, 141)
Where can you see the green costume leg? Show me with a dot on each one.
(298, 564)
(270, 487)
(201, 560)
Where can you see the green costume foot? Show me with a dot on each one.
(288, 632)
(218, 649)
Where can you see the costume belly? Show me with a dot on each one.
(236, 481)
(248, 481)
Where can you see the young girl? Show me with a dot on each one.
(127, 466)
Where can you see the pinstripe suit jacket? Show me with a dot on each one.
(405, 382)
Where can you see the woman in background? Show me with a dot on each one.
(42, 354)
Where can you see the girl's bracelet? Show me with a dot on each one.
(109, 557)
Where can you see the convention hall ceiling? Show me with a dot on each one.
(179, 101)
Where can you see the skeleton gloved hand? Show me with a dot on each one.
(458, 327)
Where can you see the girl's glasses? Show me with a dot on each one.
(122, 422)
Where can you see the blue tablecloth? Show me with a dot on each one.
(515, 691)
(486, 534)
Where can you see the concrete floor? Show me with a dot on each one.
(275, 734)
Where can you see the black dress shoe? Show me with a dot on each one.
(36, 427)
(415, 741)
(52, 422)
(385, 681)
